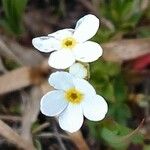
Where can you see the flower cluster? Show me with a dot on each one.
(73, 97)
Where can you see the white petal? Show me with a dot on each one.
(71, 119)
(53, 103)
(61, 59)
(88, 51)
(60, 34)
(95, 108)
(46, 44)
(86, 28)
(61, 80)
(78, 70)
(84, 86)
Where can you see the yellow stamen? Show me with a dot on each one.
(74, 96)
(69, 42)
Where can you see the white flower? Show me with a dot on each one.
(72, 99)
(69, 45)
(78, 70)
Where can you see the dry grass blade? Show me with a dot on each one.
(26, 55)
(6, 52)
(10, 118)
(13, 137)
(41, 127)
(126, 49)
(22, 77)
(22, 55)
(15, 80)
(52, 135)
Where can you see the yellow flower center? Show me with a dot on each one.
(69, 42)
(74, 96)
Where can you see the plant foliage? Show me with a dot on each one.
(13, 11)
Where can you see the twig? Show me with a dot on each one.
(30, 113)
(13, 137)
(51, 135)
(10, 118)
(41, 127)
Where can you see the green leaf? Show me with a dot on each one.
(123, 14)
(146, 147)
(104, 68)
(108, 92)
(94, 128)
(120, 89)
(103, 35)
(115, 135)
(112, 139)
(143, 32)
(102, 76)
(13, 10)
(120, 112)
(120, 136)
